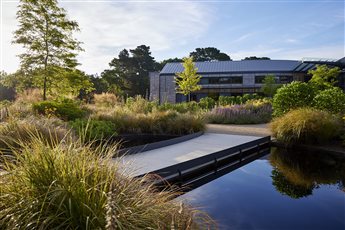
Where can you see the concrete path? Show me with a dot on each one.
(260, 130)
(208, 143)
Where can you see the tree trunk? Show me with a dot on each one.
(188, 97)
(45, 87)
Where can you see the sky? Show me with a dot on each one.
(277, 29)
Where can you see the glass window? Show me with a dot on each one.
(224, 80)
(285, 79)
(213, 80)
(236, 80)
(259, 79)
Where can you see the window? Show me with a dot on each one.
(285, 79)
(259, 79)
(236, 80)
(224, 80)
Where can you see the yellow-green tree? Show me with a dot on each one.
(187, 81)
(324, 77)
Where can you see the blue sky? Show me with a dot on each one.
(276, 29)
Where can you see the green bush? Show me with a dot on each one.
(236, 100)
(207, 103)
(183, 107)
(71, 186)
(332, 100)
(306, 125)
(94, 129)
(292, 96)
(65, 109)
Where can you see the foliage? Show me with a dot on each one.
(183, 107)
(306, 125)
(251, 113)
(139, 104)
(236, 100)
(207, 103)
(91, 130)
(169, 60)
(31, 95)
(284, 186)
(156, 122)
(188, 80)
(106, 99)
(129, 72)
(16, 132)
(291, 96)
(256, 58)
(66, 110)
(209, 54)
(269, 87)
(331, 100)
(72, 186)
(308, 168)
(324, 77)
(46, 34)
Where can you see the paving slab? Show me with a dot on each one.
(208, 143)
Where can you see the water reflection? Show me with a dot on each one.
(297, 173)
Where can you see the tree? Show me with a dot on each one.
(188, 80)
(170, 60)
(209, 54)
(256, 58)
(324, 77)
(129, 72)
(46, 34)
(269, 87)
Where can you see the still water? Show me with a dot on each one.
(283, 190)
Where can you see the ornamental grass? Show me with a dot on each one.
(74, 186)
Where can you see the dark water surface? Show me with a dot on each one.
(280, 191)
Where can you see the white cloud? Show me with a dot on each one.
(107, 27)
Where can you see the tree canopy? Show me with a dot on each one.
(129, 72)
(256, 58)
(188, 80)
(45, 32)
(209, 54)
(324, 77)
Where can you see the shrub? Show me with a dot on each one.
(73, 187)
(183, 107)
(291, 96)
(306, 125)
(238, 100)
(241, 114)
(156, 122)
(139, 104)
(94, 129)
(331, 100)
(106, 99)
(207, 103)
(66, 109)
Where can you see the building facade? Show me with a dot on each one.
(233, 78)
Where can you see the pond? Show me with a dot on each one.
(282, 190)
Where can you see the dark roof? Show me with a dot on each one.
(237, 66)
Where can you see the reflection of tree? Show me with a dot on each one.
(299, 172)
(284, 186)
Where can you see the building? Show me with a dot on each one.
(233, 78)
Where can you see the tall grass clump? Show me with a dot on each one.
(106, 99)
(306, 125)
(16, 132)
(71, 186)
(253, 112)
